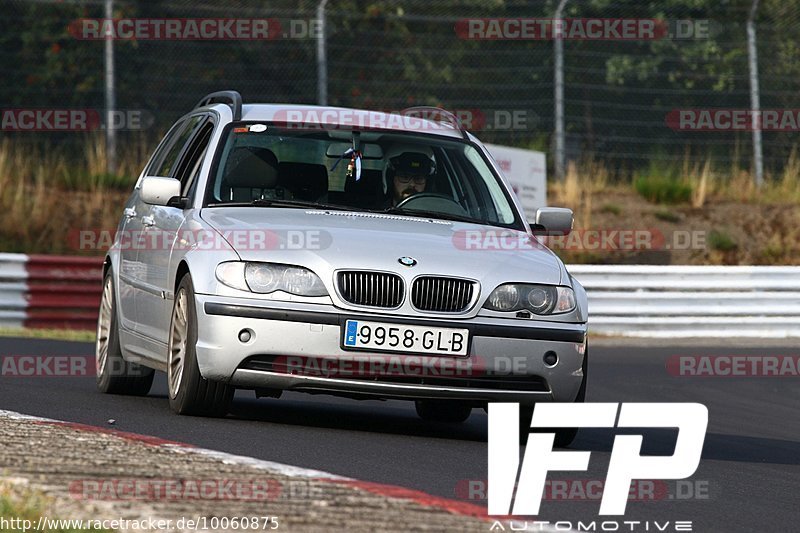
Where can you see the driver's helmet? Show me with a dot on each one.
(407, 159)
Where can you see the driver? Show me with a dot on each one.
(407, 173)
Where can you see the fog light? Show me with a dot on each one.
(550, 358)
(245, 335)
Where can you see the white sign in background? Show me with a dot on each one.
(526, 171)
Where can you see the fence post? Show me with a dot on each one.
(111, 135)
(322, 56)
(558, 52)
(755, 104)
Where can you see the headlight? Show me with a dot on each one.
(538, 299)
(232, 275)
(301, 281)
(504, 298)
(265, 278)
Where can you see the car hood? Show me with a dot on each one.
(332, 240)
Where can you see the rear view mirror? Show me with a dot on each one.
(156, 190)
(368, 150)
(553, 221)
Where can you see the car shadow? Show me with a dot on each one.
(389, 417)
(399, 418)
(402, 420)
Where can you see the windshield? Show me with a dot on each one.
(262, 165)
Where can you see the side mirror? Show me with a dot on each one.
(553, 221)
(159, 191)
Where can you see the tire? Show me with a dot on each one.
(564, 436)
(190, 393)
(452, 412)
(115, 375)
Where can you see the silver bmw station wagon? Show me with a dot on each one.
(336, 251)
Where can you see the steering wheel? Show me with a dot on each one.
(432, 201)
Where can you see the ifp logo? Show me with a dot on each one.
(626, 463)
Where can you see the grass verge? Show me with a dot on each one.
(22, 509)
(55, 334)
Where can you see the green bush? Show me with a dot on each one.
(721, 241)
(76, 181)
(663, 189)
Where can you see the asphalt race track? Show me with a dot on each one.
(747, 480)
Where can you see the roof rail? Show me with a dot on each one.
(428, 112)
(232, 98)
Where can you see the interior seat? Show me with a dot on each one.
(306, 181)
(251, 173)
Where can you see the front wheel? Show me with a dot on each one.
(189, 392)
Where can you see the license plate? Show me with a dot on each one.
(405, 338)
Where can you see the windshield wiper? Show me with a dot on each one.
(276, 202)
(432, 214)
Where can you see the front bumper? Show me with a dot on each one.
(502, 354)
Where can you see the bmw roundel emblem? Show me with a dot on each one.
(407, 261)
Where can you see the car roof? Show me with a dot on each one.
(347, 118)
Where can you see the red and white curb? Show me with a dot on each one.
(387, 491)
(42, 291)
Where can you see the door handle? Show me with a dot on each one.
(148, 221)
(129, 212)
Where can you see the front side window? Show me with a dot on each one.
(188, 169)
(163, 147)
(165, 164)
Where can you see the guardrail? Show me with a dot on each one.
(692, 301)
(645, 301)
(42, 291)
